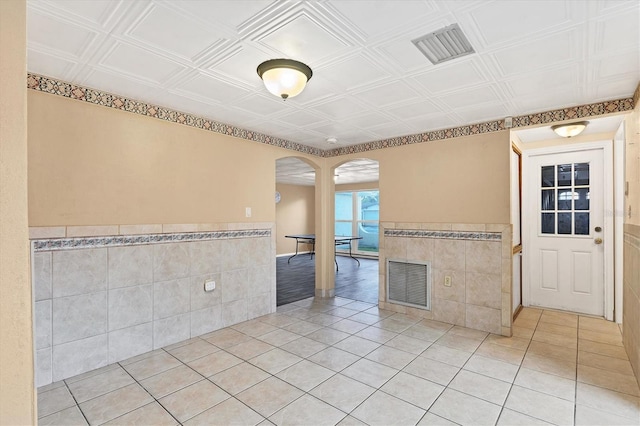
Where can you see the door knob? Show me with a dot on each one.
(598, 240)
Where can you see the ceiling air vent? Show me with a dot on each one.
(444, 44)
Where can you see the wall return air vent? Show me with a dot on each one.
(444, 44)
(409, 283)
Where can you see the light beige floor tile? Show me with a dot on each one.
(334, 359)
(250, 349)
(304, 347)
(303, 327)
(214, 363)
(307, 410)
(465, 409)
(229, 412)
(393, 324)
(170, 381)
(530, 313)
(376, 334)
(369, 372)
(435, 325)
(150, 414)
(513, 418)
(269, 396)
(408, 344)
(546, 383)
(225, 337)
(114, 404)
(417, 391)
(603, 349)
(459, 342)
(351, 421)
(357, 345)
(180, 344)
(238, 378)
(391, 357)
(589, 416)
(492, 368)
(106, 368)
(430, 419)
(529, 324)
(555, 339)
(194, 350)
(193, 400)
(51, 386)
(275, 360)
(559, 318)
(305, 375)
(469, 333)
(365, 318)
(561, 330)
(616, 365)
(54, 400)
(483, 387)
(358, 306)
(382, 313)
(324, 319)
(599, 324)
(68, 416)
(277, 320)
(342, 392)
(343, 312)
(596, 336)
(100, 384)
(328, 336)
(448, 355)
(541, 406)
(348, 326)
(279, 337)
(553, 351)
(137, 358)
(610, 401)
(429, 369)
(607, 379)
(521, 332)
(502, 353)
(509, 342)
(151, 366)
(383, 409)
(255, 328)
(557, 366)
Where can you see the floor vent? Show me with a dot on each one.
(444, 44)
(409, 283)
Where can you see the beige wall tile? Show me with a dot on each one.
(140, 229)
(483, 318)
(449, 255)
(483, 257)
(436, 226)
(420, 249)
(457, 290)
(471, 227)
(449, 311)
(43, 232)
(483, 289)
(91, 231)
(168, 228)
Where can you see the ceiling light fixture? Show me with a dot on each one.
(285, 78)
(332, 141)
(570, 130)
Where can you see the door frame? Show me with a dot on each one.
(529, 199)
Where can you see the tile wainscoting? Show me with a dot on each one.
(478, 259)
(104, 294)
(631, 296)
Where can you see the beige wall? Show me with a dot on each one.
(357, 186)
(91, 165)
(631, 267)
(462, 180)
(295, 214)
(17, 398)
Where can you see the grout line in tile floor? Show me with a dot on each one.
(349, 372)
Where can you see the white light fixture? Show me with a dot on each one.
(285, 78)
(570, 130)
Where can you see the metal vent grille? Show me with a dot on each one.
(409, 283)
(444, 44)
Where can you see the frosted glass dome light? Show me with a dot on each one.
(284, 78)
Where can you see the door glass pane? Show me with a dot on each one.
(564, 223)
(582, 199)
(564, 174)
(581, 172)
(548, 223)
(344, 206)
(564, 199)
(548, 199)
(548, 176)
(582, 224)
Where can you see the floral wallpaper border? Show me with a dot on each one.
(447, 235)
(56, 244)
(74, 91)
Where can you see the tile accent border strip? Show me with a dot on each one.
(448, 235)
(74, 91)
(56, 244)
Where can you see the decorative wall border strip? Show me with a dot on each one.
(74, 91)
(445, 235)
(633, 240)
(56, 244)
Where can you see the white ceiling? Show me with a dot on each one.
(370, 82)
(293, 171)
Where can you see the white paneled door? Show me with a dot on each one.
(566, 256)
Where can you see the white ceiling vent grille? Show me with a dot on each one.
(444, 44)
(409, 283)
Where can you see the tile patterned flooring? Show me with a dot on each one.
(345, 362)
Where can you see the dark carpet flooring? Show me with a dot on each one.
(296, 280)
